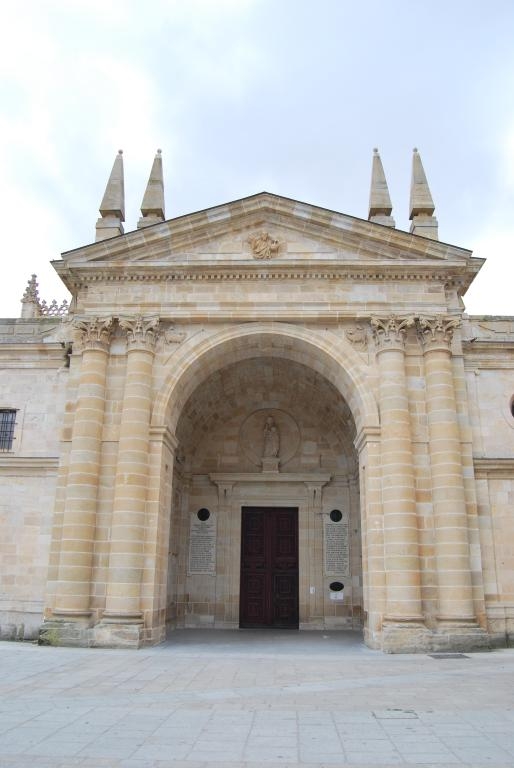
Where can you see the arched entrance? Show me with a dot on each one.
(217, 407)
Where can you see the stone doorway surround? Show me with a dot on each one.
(303, 491)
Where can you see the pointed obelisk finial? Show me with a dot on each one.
(379, 201)
(112, 208)
(421, 208)
(152, 207)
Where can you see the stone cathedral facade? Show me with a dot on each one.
(264, 414)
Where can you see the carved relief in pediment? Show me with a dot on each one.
(263, 246)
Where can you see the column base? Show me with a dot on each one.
(405, 635)
(412, 636)
(115, 631)
(66, 631)
(459, 634)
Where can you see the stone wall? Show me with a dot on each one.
(33, 380)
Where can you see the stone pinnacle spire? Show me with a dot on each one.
(152, 207)
(421, 207)
(112, 208)
(379, 201)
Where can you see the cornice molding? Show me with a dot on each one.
(266, 477)
(75, 276)
(494, 467)
(10, 464)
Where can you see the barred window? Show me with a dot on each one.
(7, 423)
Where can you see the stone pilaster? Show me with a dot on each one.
(122, 622)
(456, 615)
(70, 617)
(314, 578)
(367, 444)
(401, 548)
(226, 569)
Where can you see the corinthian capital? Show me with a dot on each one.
(437, 330)
(390, 331)
(94, 332)
(141, 331)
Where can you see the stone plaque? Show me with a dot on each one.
(336, 547)
(202, 545)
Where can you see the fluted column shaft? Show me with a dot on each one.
(126, 556)
(450, 517)
(78, 529)
(401, 549)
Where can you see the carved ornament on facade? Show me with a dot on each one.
(172, 336)
(142, 332)
(263, 246)
(437, 330)
(94, 333)
(358, 337)
(390, 331)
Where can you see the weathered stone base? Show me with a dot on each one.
(395, 637)
(416, 638)
(460, 637)
(20, 625)
(64, 632)
(408, 637)
(117, 635)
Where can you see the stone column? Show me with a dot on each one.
(401, 548)
(78, 529)
(122, 622)
(455, 597)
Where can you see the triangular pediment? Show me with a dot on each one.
(227, 233)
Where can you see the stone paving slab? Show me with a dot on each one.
(213, 699)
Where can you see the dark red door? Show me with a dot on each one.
(269, 567)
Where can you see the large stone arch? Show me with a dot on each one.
(331, 357)
(204, 354)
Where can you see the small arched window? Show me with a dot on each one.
(7, 424)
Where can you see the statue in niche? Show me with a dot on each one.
(271, 439)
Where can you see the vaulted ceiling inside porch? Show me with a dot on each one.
(212, 433)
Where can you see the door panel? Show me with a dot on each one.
(269, 567)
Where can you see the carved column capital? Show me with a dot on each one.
(142, 332)
(389, 332)
(436, 332)
(94, 333)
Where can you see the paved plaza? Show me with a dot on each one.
(213, 699)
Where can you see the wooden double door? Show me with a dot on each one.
(269, 568)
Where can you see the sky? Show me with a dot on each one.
(242, 96)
